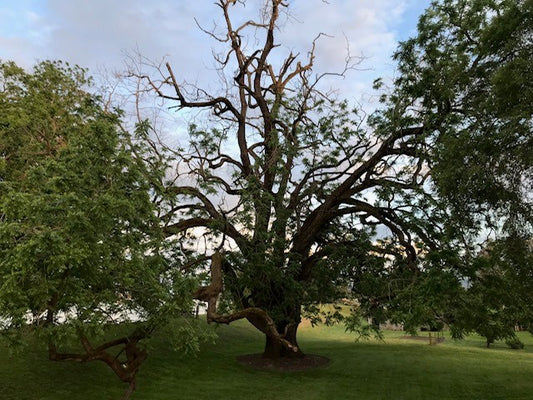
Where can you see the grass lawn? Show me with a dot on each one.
(394, 369)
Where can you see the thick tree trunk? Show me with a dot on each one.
(275, 350)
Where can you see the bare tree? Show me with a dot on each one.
(277, 168)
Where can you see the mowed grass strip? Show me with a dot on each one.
(394, 369)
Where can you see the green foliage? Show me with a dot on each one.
(363, 330)
(80, 245)
(469, 71)
(514, 343)
(186, 335)
(465, 80)
(497, 298)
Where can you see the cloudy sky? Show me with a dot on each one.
(98, 33)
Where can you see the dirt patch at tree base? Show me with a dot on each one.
(306, 362)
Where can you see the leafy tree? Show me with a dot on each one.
(498, 296)
(467, 78)
(80, 246)
(295, 187)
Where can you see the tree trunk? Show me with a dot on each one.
(129, 391)
(275, 350)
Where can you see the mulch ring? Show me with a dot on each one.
(306, 362)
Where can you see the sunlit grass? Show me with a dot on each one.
(395, 368)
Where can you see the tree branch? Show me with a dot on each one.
(211, 293)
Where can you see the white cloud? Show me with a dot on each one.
(96, 33)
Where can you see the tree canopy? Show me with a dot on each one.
(467, 76)
(80, 246)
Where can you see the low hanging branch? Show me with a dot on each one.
(126, 370)
(258, 317)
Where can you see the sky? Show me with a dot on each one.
(100, 34)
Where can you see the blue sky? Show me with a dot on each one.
(98, 33)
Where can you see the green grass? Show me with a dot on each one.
(393, 369)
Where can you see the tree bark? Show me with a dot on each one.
(126, 370)
(129, 391)
(257, 316)
(275, 350)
